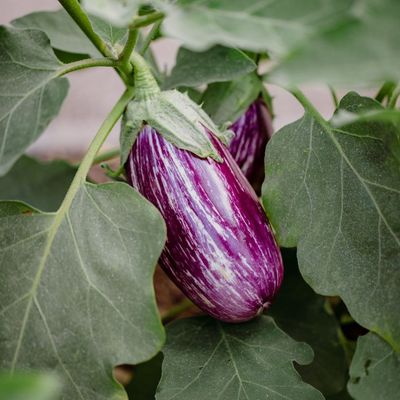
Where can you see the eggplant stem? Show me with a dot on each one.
(176, 310)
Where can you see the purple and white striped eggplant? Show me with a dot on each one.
(252, 133)
(220, 249)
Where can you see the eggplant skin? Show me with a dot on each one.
(220, 250)
(252, 133)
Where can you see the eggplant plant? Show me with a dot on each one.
(288, 243)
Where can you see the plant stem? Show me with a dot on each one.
(140, 22)
(129, 46)
(95, 146)
(149, 38)
(310, 108)
(107, 155)
(394, 96)
(334, 97)
(87, 63)
(174, 311)
(385, 91)
(75, 11)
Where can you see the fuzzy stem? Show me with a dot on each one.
(129, 46)
(95, 146)
(394, 96)
(73, 8)
(87, 63)
(149, 38)
(107, 155)
(140, 22)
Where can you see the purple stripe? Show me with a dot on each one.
(220, 249)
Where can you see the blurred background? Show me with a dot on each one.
(93, 93)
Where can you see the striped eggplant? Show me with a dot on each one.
(220, 249)
(252, 132)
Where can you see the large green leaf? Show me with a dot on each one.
(257, 25)
(76, 291)
(65, 35)
(31, 92)
(63, 32)
(375, 370)
(207, 359)
(42, 185)
(215, 65)
(336, 194)
(302, 314)
(364, 48)
(118, 12)
(29, 387)
(227, 101)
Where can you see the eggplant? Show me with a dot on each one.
(252, 133)
(220, 249)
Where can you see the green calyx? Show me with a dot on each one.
(145, 84)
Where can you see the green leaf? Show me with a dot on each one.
(66, 36)
(29, 387)
(145, 379)
(31, 92)
(227, 101)
(207, 359)
(375, 370)
(63, 32)
(335, 194)
(276, 26)
(117, 12)
(176, 117)
(362, 49)
(301, 313)
(112, 35)
(42, 185)
(343, 117)
(217, 64)
(76, 292)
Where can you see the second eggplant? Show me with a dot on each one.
(252, 133)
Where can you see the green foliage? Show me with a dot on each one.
(335, 195)
(42, 185)
(76, 294)
(85, 297)
(302, 314)
(204, 359)
(60, 28)
(30, 88)
(117, 12)
(363, 48)
(258, 25)
(375, 370)
(29, 387)
(215, 65)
